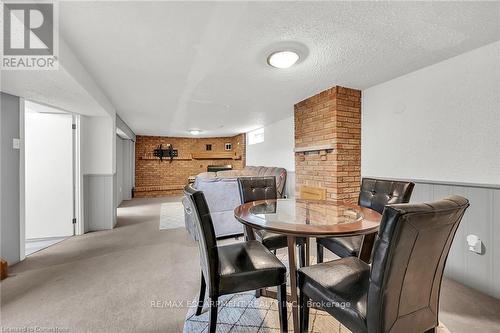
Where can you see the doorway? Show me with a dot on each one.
(49, 176)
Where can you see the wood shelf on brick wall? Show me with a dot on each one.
(199, 156)
(313, 148)
(215, 155)
(151, 157)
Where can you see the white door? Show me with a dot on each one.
(49, 174)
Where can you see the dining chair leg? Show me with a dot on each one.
(302, 255)
(282, 308)
(201, 297)
(308, 252)
(365, 252)
(292, 269)
(212, 326)
(304, 312)
(432, 330)
(319, 250)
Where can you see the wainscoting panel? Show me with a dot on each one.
(481, 272)
(99, 197)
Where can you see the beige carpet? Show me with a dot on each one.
(106, 282)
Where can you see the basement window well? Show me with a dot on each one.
(255, 136)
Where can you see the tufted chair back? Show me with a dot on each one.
(207, 244)
(257, 188)
(377, 193)
(279, 174)
(408, 260)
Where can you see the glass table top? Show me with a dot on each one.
(306, 212)
(308, 217)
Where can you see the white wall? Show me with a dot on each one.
(98, 178)
(9, 179)
(98, 145)
(440, 123)
(277, 148)
(440, 126)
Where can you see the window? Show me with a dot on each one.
(256, 136)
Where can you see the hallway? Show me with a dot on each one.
(105, 281)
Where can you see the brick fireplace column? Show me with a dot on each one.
(328, 145)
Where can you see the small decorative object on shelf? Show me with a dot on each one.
(228, 146)
(161, 153)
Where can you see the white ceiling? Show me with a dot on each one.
(53, 88)
(172, 66)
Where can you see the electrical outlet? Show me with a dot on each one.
(475, 244)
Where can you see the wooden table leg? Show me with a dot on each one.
(249, 234)
(292, 263)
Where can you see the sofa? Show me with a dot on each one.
(223, 196)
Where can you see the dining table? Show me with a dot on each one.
(308, 219)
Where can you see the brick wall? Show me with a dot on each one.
(331, 118)
(154, 178)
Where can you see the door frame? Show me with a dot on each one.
(77, 176)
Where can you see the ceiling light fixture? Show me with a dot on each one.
(283, 59)
(194, 132)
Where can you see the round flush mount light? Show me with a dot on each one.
(282, 59)
(194, 132)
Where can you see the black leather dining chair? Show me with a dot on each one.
(263, 188)
(399, 291)
(374, 194)
(232, 268)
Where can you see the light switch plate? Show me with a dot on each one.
(16, 143)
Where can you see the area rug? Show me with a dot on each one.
(244, 313)
(171, 215)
